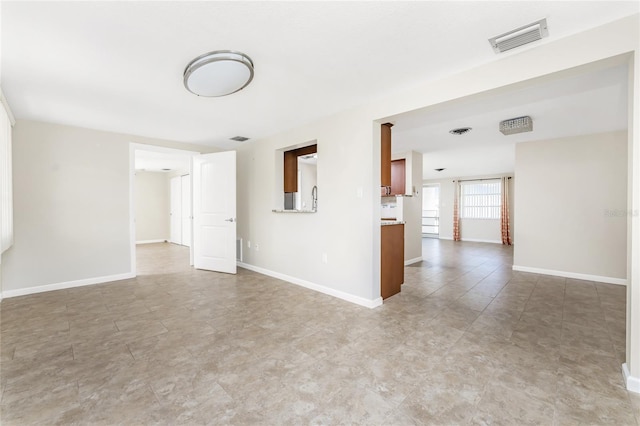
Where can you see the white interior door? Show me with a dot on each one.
(214, 211)
(186, 210)
(176, 210)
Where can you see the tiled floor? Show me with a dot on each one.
(467, 341)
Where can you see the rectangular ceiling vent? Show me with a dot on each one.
(516, 125)
(239, 138)
(519, 36)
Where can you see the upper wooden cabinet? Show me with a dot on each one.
(385, 164)
(398, 177)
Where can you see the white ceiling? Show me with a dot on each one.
(594, 101)
(118, 66)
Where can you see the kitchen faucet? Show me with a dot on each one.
(314, 196)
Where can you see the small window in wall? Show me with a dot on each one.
(480, 200)
(300, 179)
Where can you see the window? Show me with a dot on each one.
(480, 200)
(431, 210)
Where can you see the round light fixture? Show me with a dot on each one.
(218, 73)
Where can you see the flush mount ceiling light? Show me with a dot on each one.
(460, 131)
(516, 125)
(520, 36)
(218, 73)
(239, 138)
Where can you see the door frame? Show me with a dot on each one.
(133, 147)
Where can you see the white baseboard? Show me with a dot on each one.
(68, 284)
(316, 287)
(575, 275)
(412, 261)
(474, 240)
(151, 241)
(633, 383)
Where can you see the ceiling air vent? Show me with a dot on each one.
(519, 36)
(516, 125)
(239, 138)
(460, 131)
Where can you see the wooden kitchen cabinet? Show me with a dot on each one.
(398, 177)
(385, 155)
(392, 259)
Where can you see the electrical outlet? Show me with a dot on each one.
(256, 246)
(248, 244)
(325, 259)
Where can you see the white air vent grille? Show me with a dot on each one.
(519, 36)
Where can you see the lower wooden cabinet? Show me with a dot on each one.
(392, 260)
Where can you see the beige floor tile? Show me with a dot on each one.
(503, 403)
(467, 340)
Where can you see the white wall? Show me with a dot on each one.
(483, 230)
(71, 206)
(152, 206)
(571, 207)
(293, 244)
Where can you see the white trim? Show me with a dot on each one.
(132, 206)
(12, 118)
(412, 261)
(316, 287)
(474, 240)
(633, 383)
(67, 284)
(151, 241)
(575, 275)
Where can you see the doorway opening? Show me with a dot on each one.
(160, 208)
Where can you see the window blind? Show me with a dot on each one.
(480, 200)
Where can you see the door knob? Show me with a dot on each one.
(230, 220)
